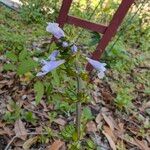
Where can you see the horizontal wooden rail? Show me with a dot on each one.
(86, 24)
(107, 31)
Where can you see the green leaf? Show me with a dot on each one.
(94, 38)
(56, 77)
(75, 136)
(9, 67)
(39, 91)
(91, 144)
(147, 91)
(68, 131)
(87, 114)
(10, 55)
(23, 54)
(30, 117)
(26, 66)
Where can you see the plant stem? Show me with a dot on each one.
(78, 118)
(78, 108)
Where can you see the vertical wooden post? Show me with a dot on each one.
(111, 30)
(108, 32)
(63, 14)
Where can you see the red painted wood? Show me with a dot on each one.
(63, 14)
(108, 32)
(86, 24)
(111, 30)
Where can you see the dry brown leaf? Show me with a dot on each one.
(18, 143)
(8, 131)
(142, 145)
(20, 130)
(1, 92)
(56, 145)
(44, 106)
(39, 129)
(136, 142)
(30, 142)
(110, 140)
(91, 127)
(2, 124)
(110, 133)
(2, 132)
(145, 106)
(60, 121)
(107, 96)
(98, 118)
(9, 108)
(109, 120)
(120, 131)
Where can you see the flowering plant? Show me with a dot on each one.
(69, 57)
(52, 63)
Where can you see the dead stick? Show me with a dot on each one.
(31, 133)
(8, 145)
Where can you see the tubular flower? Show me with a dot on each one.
(65, 44)
(74, 49)
(50, 65)
(53, 55)
(55, 30)
(100, 67)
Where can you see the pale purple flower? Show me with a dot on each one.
(100, 67)
(74, 48)
(53, 55)
(48, 66)
(65, 44)
(55, 30)
(51, 64)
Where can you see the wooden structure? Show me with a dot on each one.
(107, 31)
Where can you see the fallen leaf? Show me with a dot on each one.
(110, 133)
(107, 96)
(44, 105)
(142, 145)
(39, 129)
(20, 130)
(8, 131)
(109, 120)
(2, 124)
(110, 140)
(56, 145)
(30, 142)
(18, 143)
(2, 132)
(91, 127)
(120, 131)
(145, 106)
(98, 118)
(60, 121)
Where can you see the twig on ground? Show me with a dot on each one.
(13, 138)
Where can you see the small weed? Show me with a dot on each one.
(30, 117)
(123, 99)
(69, 133)
(14, 114)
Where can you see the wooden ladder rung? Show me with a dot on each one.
(86, 24)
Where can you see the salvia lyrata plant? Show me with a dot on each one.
(69, 55)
